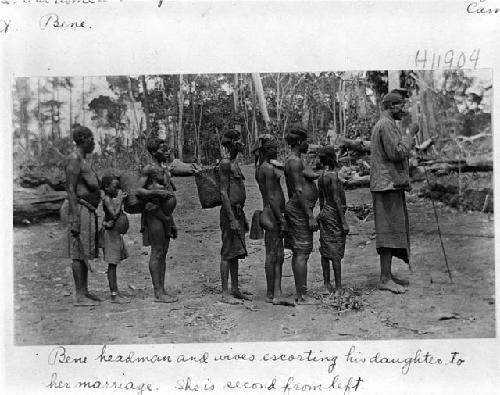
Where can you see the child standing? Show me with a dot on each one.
(115, 225)
(332, 223)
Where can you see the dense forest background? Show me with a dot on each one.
(452, 107)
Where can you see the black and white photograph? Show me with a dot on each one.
(253, 207)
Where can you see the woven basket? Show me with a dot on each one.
(121, 224)
(208, 184)
(129, 182)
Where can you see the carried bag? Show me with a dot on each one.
(121, 223)
(129, 181)
(208, 185)
(267, 219)
(256, 232)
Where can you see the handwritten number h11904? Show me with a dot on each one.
(447, 60)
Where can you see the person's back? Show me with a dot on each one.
(269, 172)
(325, 181)
(333, 226)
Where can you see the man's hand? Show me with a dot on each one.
(150, 206)
(345, 229)
(122, 195)
(234, 225)
(313, 224)
(283, 228)
(196, 168)
(413, 129)
(165, 194)
(75, 226)
(174, 232)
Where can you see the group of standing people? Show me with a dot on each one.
(287, 224)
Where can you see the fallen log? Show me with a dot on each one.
(32, 204)
(361, 146)
(33, 179)
(467, 167)
(357, 182)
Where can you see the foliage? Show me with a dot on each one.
(126, 110)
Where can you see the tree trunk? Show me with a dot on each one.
(198, 145)
(305, 112)
(132, 107)
(22, 87)
(361, 98)
(429, 105)
(254, 115)
(83, 101)
(146, 105)
(260, 95)
(236, 102)
(393, 79)
(278, 104)
(341, 106)
(180, 132)
(41, 124)
(70, 110)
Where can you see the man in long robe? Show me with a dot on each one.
(389, 179)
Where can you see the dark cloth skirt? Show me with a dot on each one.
(299, 237)
(113, 246)
(391, 223)
(233, 242)
(331, 234)
(88, 235)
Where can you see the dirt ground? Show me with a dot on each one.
(432, 308)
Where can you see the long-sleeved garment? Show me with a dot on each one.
(390, 150)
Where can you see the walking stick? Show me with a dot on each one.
(437, 223)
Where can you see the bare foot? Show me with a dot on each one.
(269, 299)
(165, 299)
(225, 298)
(92, 297)
(304, 301)
(81, 300)
(338, 291)
(119, 299)
(400, 281)
(241, 295)
(283, 302)
(327, 289)
(391, 286)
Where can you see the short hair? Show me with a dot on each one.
(153, 143)
(393, 97)
(267, 141)
(107, 180)
(229, 136)
(327, 155)
(80, 133)
(295, 134)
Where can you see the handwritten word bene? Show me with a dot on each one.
(53, 20)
